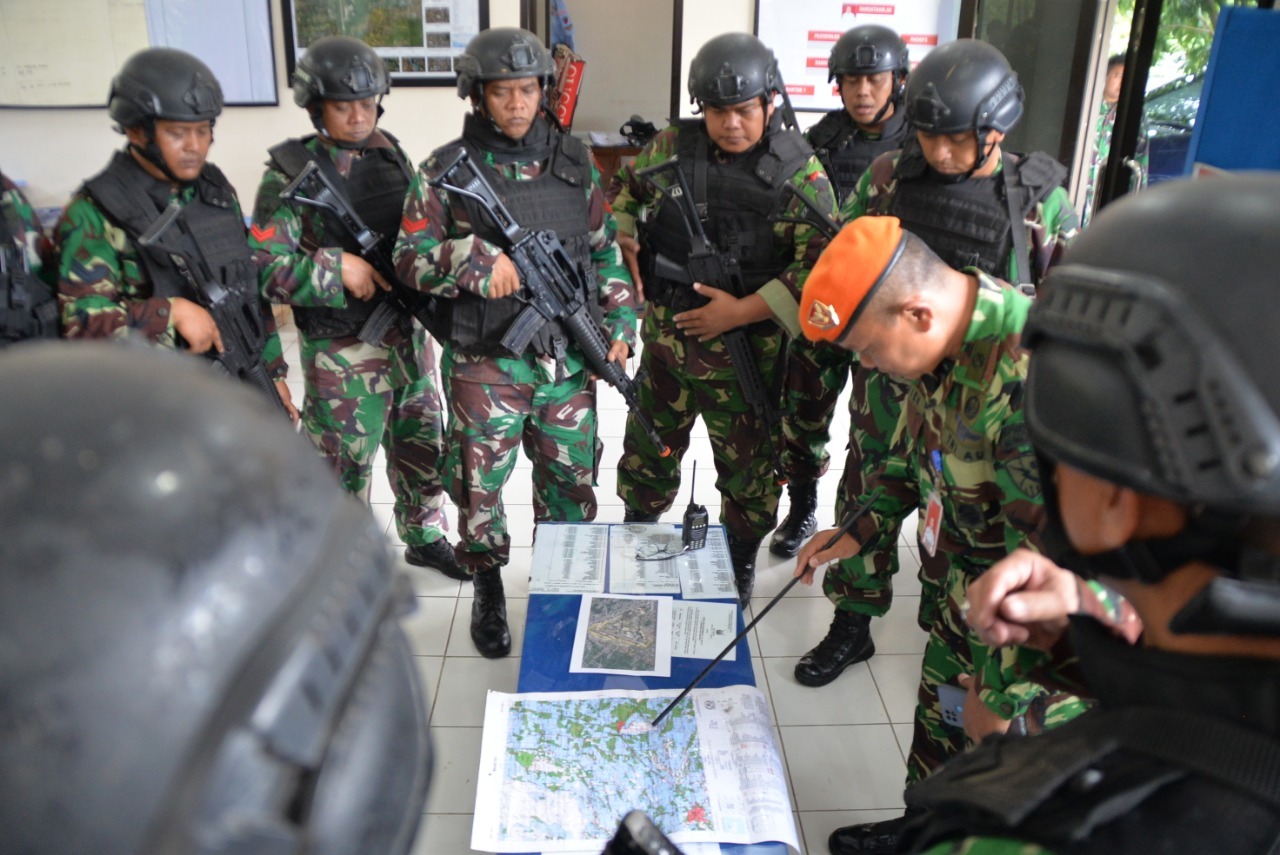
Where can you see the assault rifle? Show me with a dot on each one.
(552, 283)
(313, 187)
(707, 264)
(237, 315)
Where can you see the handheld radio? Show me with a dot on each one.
(693, 532)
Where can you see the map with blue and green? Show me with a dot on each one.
(560, 753)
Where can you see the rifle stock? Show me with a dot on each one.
(552, 287)
(239, 321)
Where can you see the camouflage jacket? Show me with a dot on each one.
(23, 224)
(103, 291)
(1102, 131)
(1050, 229)
(436, 252)
(963, 438)
(634, 198)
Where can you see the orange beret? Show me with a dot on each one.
(847, 274)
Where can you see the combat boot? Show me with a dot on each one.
(800, 523)
(743, 554)
(489, 630)
(848, 641)
(871, 838)
(438, 555)
(633, 516)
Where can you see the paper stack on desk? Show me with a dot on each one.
(557, 771)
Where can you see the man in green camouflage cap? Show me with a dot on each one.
(739, 162)
(365, 386)
(110, 285)
(542, 398)
(28, 307)
(959, 455)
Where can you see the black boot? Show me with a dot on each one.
(438, 555)
(743, 553)
(876, 838)
(848, 641)
(630, 516)
(489, 630)
(800, 523)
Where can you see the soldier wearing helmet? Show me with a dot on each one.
(977, 208)
(739, 161)
(542, 398)
(165, 102)
(1154, 404)
(869, 65)
(360, 394)
(202, 649)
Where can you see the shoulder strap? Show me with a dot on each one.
(292, 157)
(1013, 197)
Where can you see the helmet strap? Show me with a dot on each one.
(152, 154)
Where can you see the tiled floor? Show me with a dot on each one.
(844, 744)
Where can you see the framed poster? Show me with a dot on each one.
(417, 39)
(802, 33)
(45, 62)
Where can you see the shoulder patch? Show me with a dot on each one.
(260, 234)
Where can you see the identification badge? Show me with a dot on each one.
(932, 524)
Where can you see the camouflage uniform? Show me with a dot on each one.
(864, 584)
(28, 308)
(961, 437)
(358, 395)
(817, 372)
(1102, 131)
(103, 288)
(498, 403)
(684, 378)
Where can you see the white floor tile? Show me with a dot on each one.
(897, 631)
(897, 677)
(845, 767)
(793, 626)
(850, 699)
(816, 826)
(428, 625)
(456, 762)
(464, 685)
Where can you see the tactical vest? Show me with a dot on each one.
(555, 201)
(737, 199)
(28, 306)
(376, 188)
(846, 153)
(1143, 778)
(967, 223)
(133, 200)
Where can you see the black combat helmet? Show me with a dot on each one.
(339, 68)
(202, 650)
(964, 85)
(163, 83)
(502, 53)
(1146, 377)
(871, 49)
(732, 68)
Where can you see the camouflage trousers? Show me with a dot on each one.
(950, 651)
(673, 399)
(864, 583)
(816, 375)
(360, 396)
(555, 423)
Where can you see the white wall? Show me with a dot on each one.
(54, 150)
(627, 48)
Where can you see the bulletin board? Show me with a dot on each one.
(64, 53)
(802, 33)
(418, 40)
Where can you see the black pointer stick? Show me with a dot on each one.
(839, 533)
